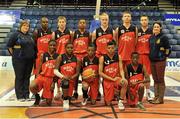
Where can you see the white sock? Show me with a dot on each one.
(147, 91)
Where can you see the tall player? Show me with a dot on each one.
(45, 74)
(42, 36)
(126, 38)
(135, 73)
(81, 40)
(142, 47)
(62, 35)
(110, 68)
(67, 69)
(90, 75)
(102, 35)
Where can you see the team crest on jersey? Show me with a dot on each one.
(64, 62)
(57, 35)
(143, 40)
(50, 65)
(46, 58)
(86, 63)
(80, 42)
(139, 34)
(44, 40)
(99, 34)
(77, 35)
(68, 68)
(122, 31)
(111, 70)
(126, 38)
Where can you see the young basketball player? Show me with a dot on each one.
(90, 75)
(135, 73)
(45, 75)
(42, 36)
(126, 38)
(62, 35)
(110, 68)
(81, 40)
(142, 47)
(67, 69)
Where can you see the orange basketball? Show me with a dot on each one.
(88, 73)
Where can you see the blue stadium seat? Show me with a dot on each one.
(28, 13)
(3, 46)
(32, 25)
(36, 13)
(4, 52)
(173, 42)
(177, 54)
(173, 54)
(170, 26)
(170, 36)
(173, 31)
(176, 36)
(176, 47)
(165, 31)
(43, 13)
(16, 25)
(150, 13)
(50, 13)
(14, 29)
(178, 42)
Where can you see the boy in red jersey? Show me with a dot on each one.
(142, 47)
(110, 68)
(102, 35)
(42, 36)
(67, 69)
(45, 75)
(126, 38)
(90, 75)
(135, 73)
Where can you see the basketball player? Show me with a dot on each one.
(91, 83)
(80, 43)
(62, 35)
(42, 36)
(45, 75)
(110, 68)
(142, 47)
(67, 69)
(102, 35)
(126, 38)
(135, 73)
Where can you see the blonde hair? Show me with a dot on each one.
(104, 14)
(61, 17)
(24, 22)
(126, 12)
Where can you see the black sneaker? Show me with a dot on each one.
(98, 97)
(75, 96)
(37, 99)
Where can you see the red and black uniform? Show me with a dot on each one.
(143, 48)
(135, 74)
(68, 68)
(93, 82)
(45, 78)
(102, 38)
(111, 68)
(43, 37)
(80, 44)
(126, 43)
(62, 38)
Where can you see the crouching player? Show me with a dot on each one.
(135, 73)
(45, 75)
(110, 68)
(67, 69)
(90, 75)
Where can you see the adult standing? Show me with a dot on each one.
(22, 48)
(159, 51)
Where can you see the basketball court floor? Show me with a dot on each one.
(11, 108)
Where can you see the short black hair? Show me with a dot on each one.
(68, 44)
(52, 41)
(113, 42)
(157, 22)
(134, 53)
(92, 45)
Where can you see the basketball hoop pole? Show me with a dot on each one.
(98, 5)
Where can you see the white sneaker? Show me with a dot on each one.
(84, 102)
(148, 97)
(121, 105)
(66, 105)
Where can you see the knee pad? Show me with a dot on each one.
(65, 84)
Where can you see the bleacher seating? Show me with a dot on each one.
(74, 14)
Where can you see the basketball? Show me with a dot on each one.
(88, 73)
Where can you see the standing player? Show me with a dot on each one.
(135, 73)
(62, 35)
(45, 75)
(110, 68)
(102, 35)
(42, 36)
(90, 75)
(126, 38)
(80, 43)
(67, 69)
(142, 47)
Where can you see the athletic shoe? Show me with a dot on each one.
(28, 99)
(22, 100)
(121, 105)
(141, 106)
(37, 100)
(66, 105)
(84, 102)
(148, 97)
